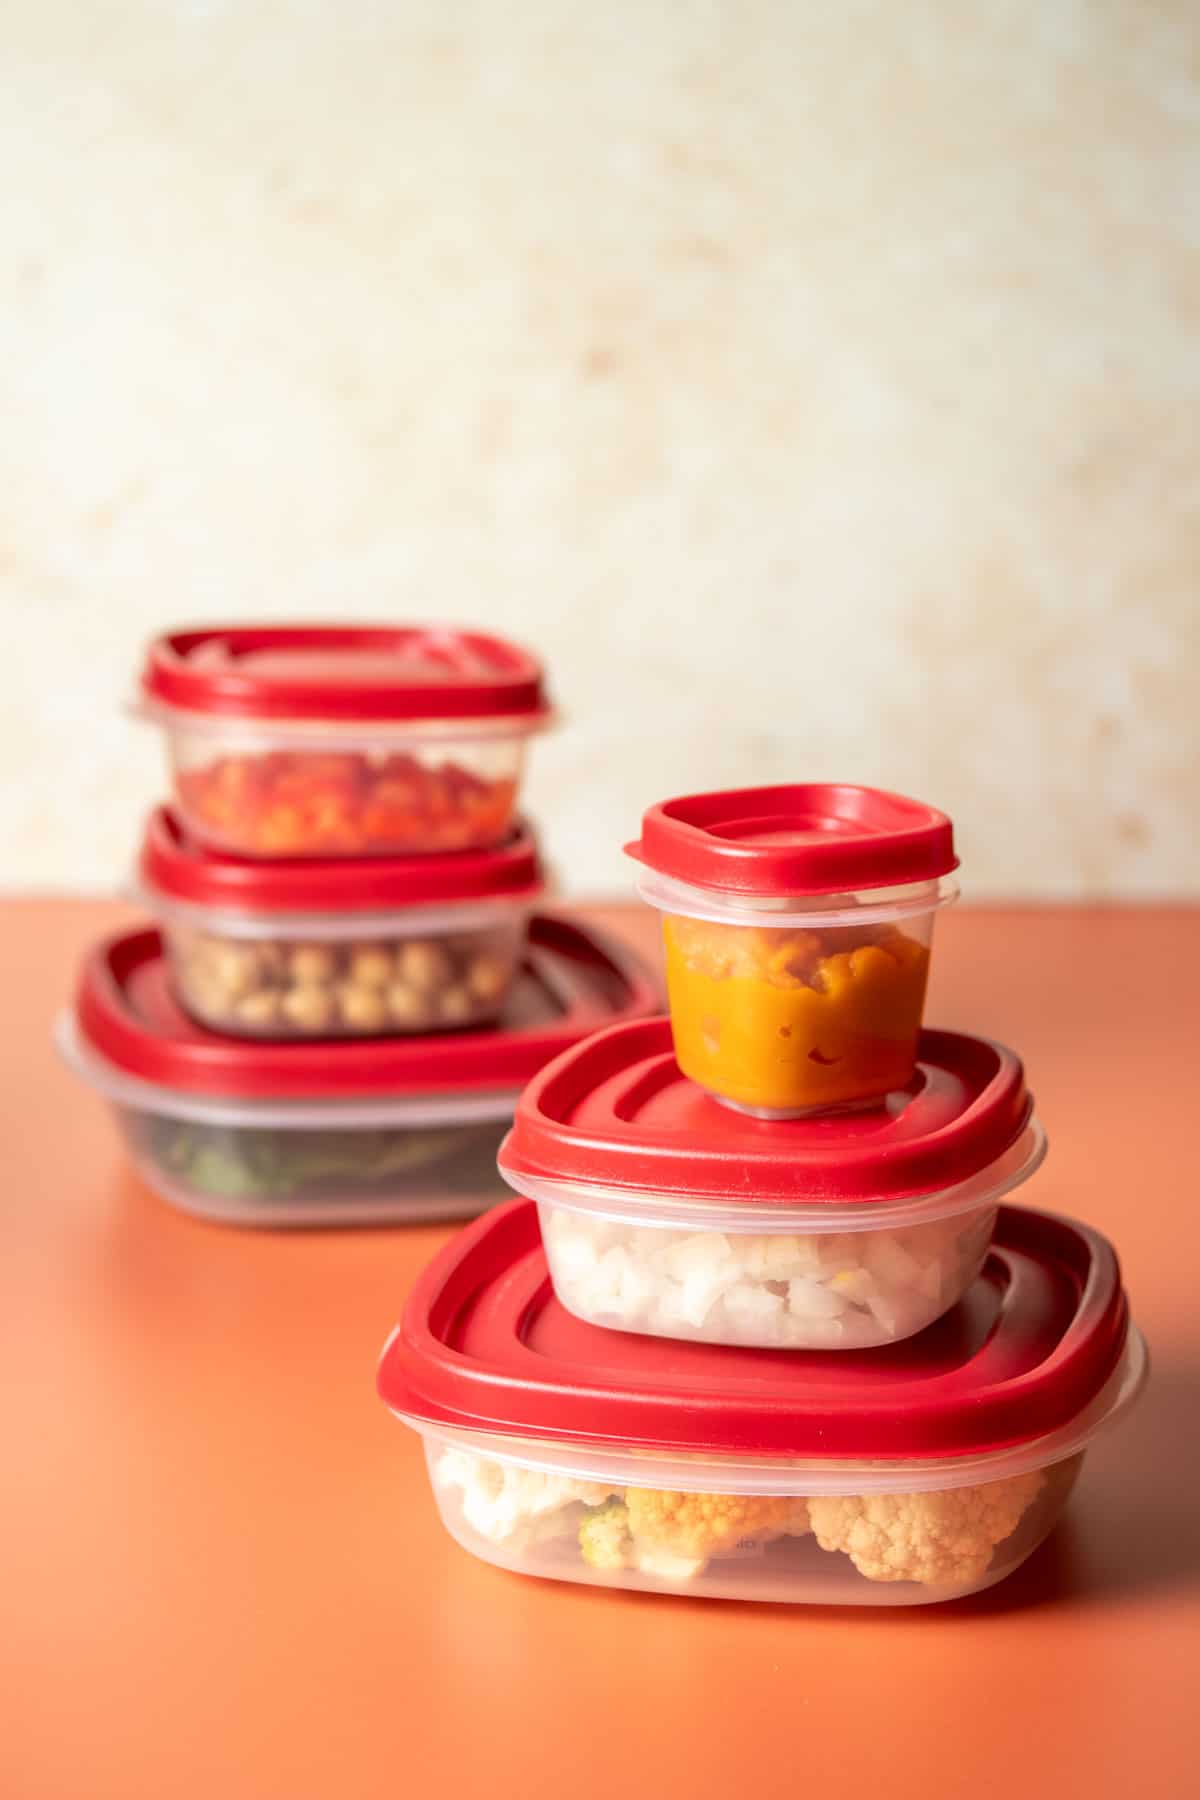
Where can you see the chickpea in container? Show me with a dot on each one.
(335, 949)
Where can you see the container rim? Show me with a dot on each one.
(737, 1215)
(713, 1473)
(132, 1091)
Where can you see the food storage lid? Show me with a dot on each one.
(616, 1112)
(344, 672)
(573, 981)
(175, 866)
(805, 838)
(485, 1345)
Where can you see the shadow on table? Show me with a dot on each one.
(1132, 1528)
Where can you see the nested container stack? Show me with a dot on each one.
(351, 972)
(765, 1322)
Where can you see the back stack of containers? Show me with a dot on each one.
(351, 972)
(765, 1322)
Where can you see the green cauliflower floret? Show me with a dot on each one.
(942, 1540)
(604, 1536)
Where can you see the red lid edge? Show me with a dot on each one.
(682, 847)
(514, 691)
(421, 1377)
(174, 865)
(540, 1147)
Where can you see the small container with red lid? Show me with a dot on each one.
(321, 949)
(919, 1473)
(362, 1131)
(344, 740)
(665, 1213)
(797, 923)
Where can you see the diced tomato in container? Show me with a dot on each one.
(340, 948)
(920, 1473)
(364, 1131)
(326, 741)
(797, 925)
(665, 1213)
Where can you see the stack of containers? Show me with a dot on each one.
(762, 1324)
(350, 979)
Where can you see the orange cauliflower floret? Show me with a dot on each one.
(673, 1535)
(943, 1539)
(707, 1524)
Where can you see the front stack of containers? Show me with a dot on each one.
(761, 1325)
(350, 977)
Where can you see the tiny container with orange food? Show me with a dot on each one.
(309, 948)
(797, 924)
(344, 740)
(919, 1473)
(663, 1213)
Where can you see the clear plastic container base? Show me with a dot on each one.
(379, 976)
(831, 1290)
(263, 1176)
(841, 1550)
(263, 791)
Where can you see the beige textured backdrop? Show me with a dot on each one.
(817, 386)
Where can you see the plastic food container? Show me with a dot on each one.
(663, 1212)
(919, 1473)
(318, 1134)
(797, 923)
(332, 740)
(340, 949)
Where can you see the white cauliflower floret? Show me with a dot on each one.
(942, 1540)
(511, 1506)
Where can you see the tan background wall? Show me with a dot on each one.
(817, 386)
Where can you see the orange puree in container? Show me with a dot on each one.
(787, 1019)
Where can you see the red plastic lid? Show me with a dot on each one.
(485, 1345)
(174, 865)
(343, 672)
(574, 980)
(807, 838)
(616, 1112)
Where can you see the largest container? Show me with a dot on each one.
(920, 1473)
(344, 740)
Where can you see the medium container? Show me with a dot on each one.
(797, 926)
(331, 740)
(921, 1473)
(665, 1213)
(310, 949)
(391, 1130)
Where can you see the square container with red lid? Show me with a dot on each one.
(305, 1133)
(664, 1212)
(310, 948)
(922, 1472)
(797, 924)
(344, 740)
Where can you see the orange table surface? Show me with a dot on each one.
(223, 1574)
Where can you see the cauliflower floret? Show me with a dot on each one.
(604, 1538)
(508, 1505)
(943, 1540)
(706, 1525)
(672, 1536)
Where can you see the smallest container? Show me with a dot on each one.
(332, 949)
(664, 1213)
(797, 924)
